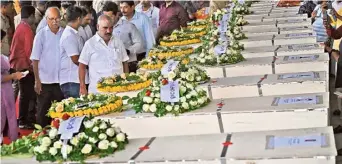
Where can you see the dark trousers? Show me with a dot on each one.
(71, 90)
(49, 93)
(133, 66)
(27, 100)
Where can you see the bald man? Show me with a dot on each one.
(105, 55)
(46, 62)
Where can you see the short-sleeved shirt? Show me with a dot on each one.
(42, 24)
(130, 37)
(46, 51)
(103, 60)
(71, 44)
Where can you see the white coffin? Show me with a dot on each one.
(282, 50)
(266, 85)
(274, 16)
(281, 39)
(271, 11)
(277, 30)
(261, 8)
(236, 115)
(278, 23)
(236, 148)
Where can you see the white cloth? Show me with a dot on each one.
(130, 37)
(17, 20)
(153, 14)
(71, 44)
(85, 33)
(103, 60)
(46, 50)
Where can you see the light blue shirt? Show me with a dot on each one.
(152, 13)
(144, 25)
(71, 44)
(41, 25)
(46, 51)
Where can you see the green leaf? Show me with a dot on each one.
(125, 98)
(38, 127)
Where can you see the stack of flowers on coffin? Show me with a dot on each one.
(241, 8)
(124, 82)
(185, 36)
(202, 23)
(218, 52)
(169, 52)
(90, 105)
(174, 90)
(94, 138)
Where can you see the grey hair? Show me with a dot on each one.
(47, 12)
(104, 18)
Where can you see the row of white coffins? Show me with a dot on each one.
(299, 146)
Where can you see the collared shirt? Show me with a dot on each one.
(85, 33)
(144, 25)
(39, 16)
(71, 44)
(152, 13)
(46, 50)
(21, 47)
(42, 24)
(103, 60)
(5, 26)
(171, 18)
(131, 38)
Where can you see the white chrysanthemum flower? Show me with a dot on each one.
(53, 151)
(147, 99)
(103, 125)
(95, 129)
(102, 136)
(202, 60)
(117, 129)
(92, 140)
(146, 107)
(69, 149)
(110, 132)
(200, 101)
(153, 108)
(88, 124)
(46, 141)
(74, 141)
(53, 133)
(171, 75)
(86, 149)
(198, 78)
(202, 55)
(193, 103)
(188, 96)
(58, 144)
(103, 145)
(176, 108)
(183, 99)
(185, 105)
(121, 137)
(157, 95)
(42, 149)
(82, 135)
(190, 86)
(113, 144)
(182, 89)
(169, 108)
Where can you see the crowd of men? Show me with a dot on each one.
(67, 46)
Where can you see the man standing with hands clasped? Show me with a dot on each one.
(104, 54)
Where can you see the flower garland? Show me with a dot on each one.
(165, 52)
(179, 40)
(96, 138)
(123, 83)
(241, 9)
(154, 63)
(218, 15)
(90, 105)
(236, 33)
(202, 23)
(149, 100)
(190, 31)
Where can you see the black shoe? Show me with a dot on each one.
(22, 126)
(339, 152)
(29, 126)
(337, 112)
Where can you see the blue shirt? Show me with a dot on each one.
(144, 25)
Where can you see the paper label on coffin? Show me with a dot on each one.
(302, 35)
(72, 125)
(301, 57)
(297, 75)
(170, 92)
(169, 66)
(298, 100)
(302, 46)
(295, 20)
(314, 141)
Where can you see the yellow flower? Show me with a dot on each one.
(59, 107)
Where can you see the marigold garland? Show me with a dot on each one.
(127, 88)
(162, 55)
(180, 43)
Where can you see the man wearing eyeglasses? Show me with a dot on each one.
(46, 63)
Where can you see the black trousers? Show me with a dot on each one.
(27, 100)
(49, 93)
(133, 66)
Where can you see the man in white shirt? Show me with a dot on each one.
(46, 63)
(151, 12)
(71, 45)
(105, 55)
(85, 30)
(128, 34)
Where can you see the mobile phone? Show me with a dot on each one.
(24, 73)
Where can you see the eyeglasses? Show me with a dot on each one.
(54, 19)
